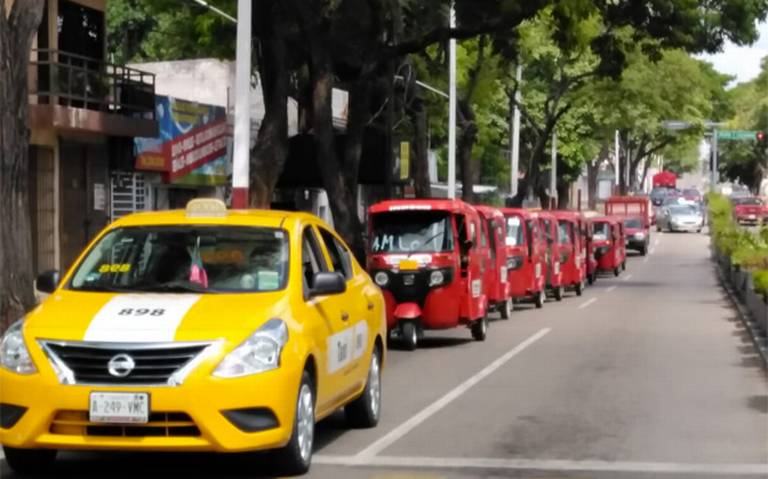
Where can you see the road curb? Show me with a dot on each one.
(760, 343)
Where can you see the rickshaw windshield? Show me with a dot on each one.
(601, 231)
(563, 235)
(635, 223)
(412, 231)
(514, 231)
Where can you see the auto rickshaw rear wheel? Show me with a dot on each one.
(409, 335)
(506, 308)
(540, 298)
(616, 271)
(559, 293)
(480, 329)
(579, 288)
(624, 266)
(591, 278)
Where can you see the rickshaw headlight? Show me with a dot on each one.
(14, 355)
(381, 278)
(436, 278)
(640, 235)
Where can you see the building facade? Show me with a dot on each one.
(84, 113)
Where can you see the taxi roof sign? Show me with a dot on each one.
(206, 208)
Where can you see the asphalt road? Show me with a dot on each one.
(649, 375)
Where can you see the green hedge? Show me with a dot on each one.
(747, 249)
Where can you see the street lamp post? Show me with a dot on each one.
(515, 151)
(452, 109)
(242, 142)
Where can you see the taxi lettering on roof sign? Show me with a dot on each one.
(249, 313)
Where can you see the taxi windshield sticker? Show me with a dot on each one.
(114, 268)
(268, 280)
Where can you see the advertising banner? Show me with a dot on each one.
(192, 146)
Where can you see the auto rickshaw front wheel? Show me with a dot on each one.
(591, 278)
(409, 335)
(480, 329)
(616, 271)
(506, 308)
(624, 266)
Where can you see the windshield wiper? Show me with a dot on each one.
(175, 287)
(100, 288)
(422, 243)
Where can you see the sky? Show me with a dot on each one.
(742, 62)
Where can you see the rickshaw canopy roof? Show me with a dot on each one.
(451, 206)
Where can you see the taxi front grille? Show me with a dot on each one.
(161, 424)
(95, 363)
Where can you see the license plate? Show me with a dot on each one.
(116, 408)
(409, 265)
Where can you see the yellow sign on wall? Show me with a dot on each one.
(405, 160)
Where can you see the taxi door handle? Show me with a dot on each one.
(344, 316)
(370, 306)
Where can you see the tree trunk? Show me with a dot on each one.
(17, 30)
(420, 150)
(271, 150)
(343, 205)
(359, 116)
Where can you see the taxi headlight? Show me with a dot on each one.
(14, 355)
(381, 278)
(259, 353)
(436, 278)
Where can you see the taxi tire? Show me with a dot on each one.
(360, 413)
(29, 461)
(409, 335)
(480, 329)
(539, 299)
(288, 459)
(506, 308)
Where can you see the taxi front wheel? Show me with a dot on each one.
(364, 411)
(296, 457)
(29, 461)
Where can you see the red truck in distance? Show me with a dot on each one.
(664, 179)
(634, 211)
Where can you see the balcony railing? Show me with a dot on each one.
(71, 80)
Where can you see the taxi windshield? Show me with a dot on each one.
(183, 259)
(412, 231)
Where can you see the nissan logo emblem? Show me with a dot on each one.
(121, 365)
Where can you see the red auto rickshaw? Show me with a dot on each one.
(573, 262)
(526, 255)
(427, 257)
(609, 243)
(554, 274)
(495, 278)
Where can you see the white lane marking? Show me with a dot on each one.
(406, 427)
(587, 303)
(627, 277)
(728, 469)
(608, 290)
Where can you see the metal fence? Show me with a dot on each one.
(68, 79)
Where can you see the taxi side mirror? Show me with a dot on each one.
(47, 281)
(327, 283)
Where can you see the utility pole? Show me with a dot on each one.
(515, 133)
(714, 174)
(616, 157)
(553, 169)
(452, 108)
(242, 141)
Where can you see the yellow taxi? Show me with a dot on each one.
(203, 329)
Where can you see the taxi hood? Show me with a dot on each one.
(153, 317)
